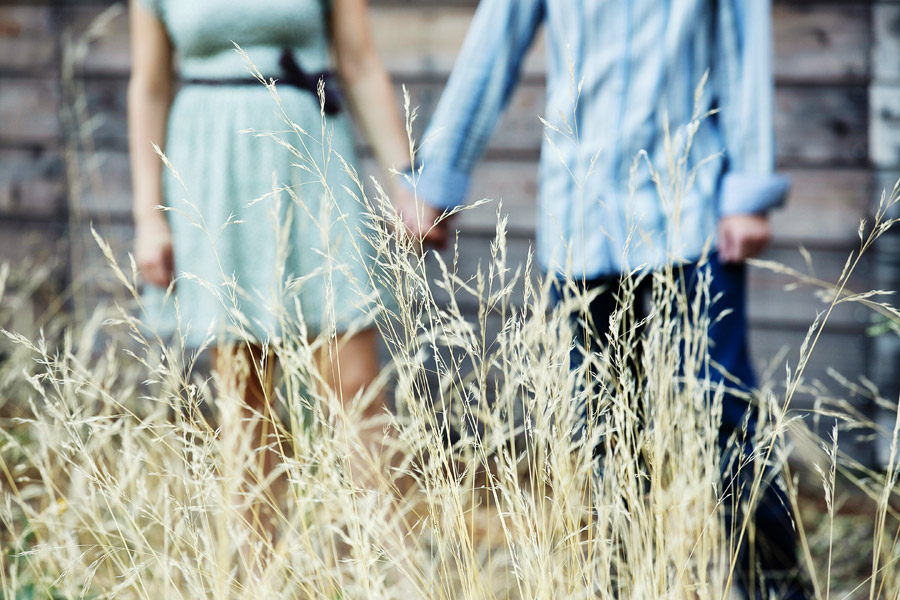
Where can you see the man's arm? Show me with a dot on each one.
(746, 88)
(480, 86)
(149, 97)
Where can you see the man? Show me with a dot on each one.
(619, 73)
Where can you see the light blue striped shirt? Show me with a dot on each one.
(639, 63)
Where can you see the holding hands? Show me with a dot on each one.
(420, 220)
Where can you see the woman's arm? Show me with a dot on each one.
(149, 98)
(367, 84)
(373, 103)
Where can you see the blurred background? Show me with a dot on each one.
(63, 165)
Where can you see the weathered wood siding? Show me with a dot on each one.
(63, 156)
(885, 156)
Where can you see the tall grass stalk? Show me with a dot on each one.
(119, 480)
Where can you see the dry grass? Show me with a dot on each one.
(117, 481)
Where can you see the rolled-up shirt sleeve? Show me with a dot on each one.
(479, 87)
(746, 92)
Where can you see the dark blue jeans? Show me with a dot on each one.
(772, 564)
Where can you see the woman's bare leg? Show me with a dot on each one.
(349, 365)
(252, 450)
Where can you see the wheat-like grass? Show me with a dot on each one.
(118, 482)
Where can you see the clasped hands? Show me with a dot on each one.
(420, 220)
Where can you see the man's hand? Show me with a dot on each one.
(742, 237)
(420, 219)
(153, 250)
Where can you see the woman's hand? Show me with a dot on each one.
(153, 250)
(420, 220)
(149, 97)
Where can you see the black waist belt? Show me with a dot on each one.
(293, 75)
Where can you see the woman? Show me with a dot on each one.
(224, 171)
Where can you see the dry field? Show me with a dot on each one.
(118, 481)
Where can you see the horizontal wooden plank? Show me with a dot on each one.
(28, 40)
(32, 183)
(825, 206)
(107, 107)
(91, 272)
(885, 126)
(29, 111)
(25, 245)
(821, 126)
(845, 353)
(96, 38)
(886, 25)
(514, 183)
(885, 358)
(410, 40)
(824, 209)
(426, 40)
(105, 187)
(816, 42)
(812, 43)
(774, 301)
(886, 181)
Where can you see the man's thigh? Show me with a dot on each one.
(590, 326)
(725, 299)
(728, 348)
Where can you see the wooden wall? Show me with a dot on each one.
(63, 140)
(885, 156)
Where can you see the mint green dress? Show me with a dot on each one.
(248, 269)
